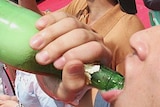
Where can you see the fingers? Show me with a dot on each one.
(54, 17)
(62, 44)
(54, 29)
(67, 89)
(69, 44)
(49, 19)
(73, 81)
(59, 35)
(87, 53)
(53, 32)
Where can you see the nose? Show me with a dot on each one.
(138, 43)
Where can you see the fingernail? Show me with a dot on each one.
(41, 23)
(42, 57)
(59, 63)
(36, 42)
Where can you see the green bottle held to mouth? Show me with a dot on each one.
(17, 26)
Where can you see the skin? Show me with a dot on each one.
(139, 91)
(144, 87)
(8, 101)
(72, 54)
(58, 20)
(142, 72)
(70, 57)
(142, 67)
(64, 56)
(97, 7)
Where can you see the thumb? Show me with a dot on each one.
(73, 79)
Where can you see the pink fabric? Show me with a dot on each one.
(143, 13)
(52, 5)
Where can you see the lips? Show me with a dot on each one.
(111, 95)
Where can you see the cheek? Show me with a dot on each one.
(136, 91)
(135, 72)
(132, 65)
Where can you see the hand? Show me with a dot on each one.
(69, 44)
(8, 101)
(7, 97)
(62, 38)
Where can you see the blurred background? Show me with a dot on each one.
(53, 5)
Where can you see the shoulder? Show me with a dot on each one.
(131, 20)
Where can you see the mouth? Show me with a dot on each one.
(111, 95)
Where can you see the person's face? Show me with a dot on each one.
(142, 80)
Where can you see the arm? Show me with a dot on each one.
(152, 4)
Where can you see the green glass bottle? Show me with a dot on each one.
(18, 26)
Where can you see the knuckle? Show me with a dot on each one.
(70, 55)
(73, 22)
(83, 34)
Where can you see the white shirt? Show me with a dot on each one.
(30, 94)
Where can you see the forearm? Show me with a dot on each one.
(29, 4)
